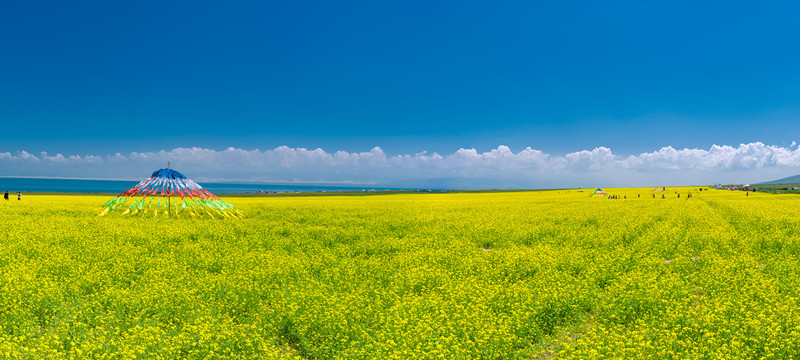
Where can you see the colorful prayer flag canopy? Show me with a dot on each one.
(168, 192)
(598, 193)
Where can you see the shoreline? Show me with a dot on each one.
(313, 193)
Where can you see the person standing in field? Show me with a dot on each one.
(6, 195)
(19, 195)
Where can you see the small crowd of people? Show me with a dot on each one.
(689, 195)
(614, 197)
(19, 195)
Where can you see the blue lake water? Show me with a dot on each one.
(117, 186)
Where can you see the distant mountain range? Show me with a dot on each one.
(787, 180)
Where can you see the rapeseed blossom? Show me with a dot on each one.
(454, 276)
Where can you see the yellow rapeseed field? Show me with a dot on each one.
(519, 275)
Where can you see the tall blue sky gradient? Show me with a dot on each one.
(103, 77)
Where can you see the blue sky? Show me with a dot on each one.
(97, 78)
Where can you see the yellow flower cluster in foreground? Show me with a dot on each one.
(453, 276)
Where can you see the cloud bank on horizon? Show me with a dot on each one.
(465, 168)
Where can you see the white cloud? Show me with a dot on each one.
(72, 159)
(597, 159)
(745, 156)
(117, 157)
(499, 167)
(57, 158)
(24, 155)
